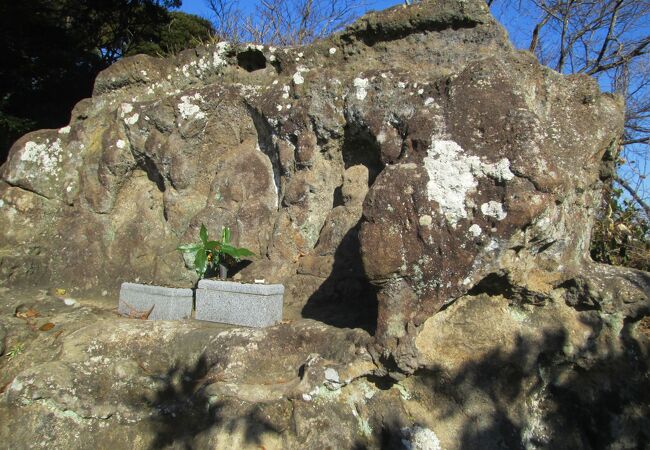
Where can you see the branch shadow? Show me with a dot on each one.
(182, 410)
(539, 393)
(539, 398)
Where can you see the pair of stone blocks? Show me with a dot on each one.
(253, 305)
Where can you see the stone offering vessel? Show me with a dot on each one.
(253, 305)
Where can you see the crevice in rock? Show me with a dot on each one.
(148, 165)
(493, 284)
(498, 284)
(577, 296)
(31, 191)
(346, 299)
(360, 146)
(338, 197)
(266, 145)
(383, 383)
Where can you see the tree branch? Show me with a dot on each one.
(634, 195)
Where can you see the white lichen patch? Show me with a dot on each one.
(64, 130)
(297, 77)
(125, 108)
(132, 120)
(475, 230)
(218, 59)
(332, 375)
(420, 438)
(451, 178)
(499, 171)
(425, 220)
(453, 175)
(2, 203)
(492, 245)
(361, 86)
(493, 209)
(120, 144)
(46, 156)
(188, 110)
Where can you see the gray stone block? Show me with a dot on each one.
(252, 305)
(167, 303)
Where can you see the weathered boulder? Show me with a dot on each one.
(280, 145)
(499, 175)
(413, 175)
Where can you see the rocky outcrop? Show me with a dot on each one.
(496, 372)
(413, 177)
(280, 145)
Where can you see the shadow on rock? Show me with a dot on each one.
(537, 396)
(182, 411)
(346, 299)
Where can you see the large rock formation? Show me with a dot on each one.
(414, 176)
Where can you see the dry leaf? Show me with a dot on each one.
(47, 327)
(30, 313)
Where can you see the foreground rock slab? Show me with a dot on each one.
(498, 372)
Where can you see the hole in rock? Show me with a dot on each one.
(493, 284)
(251, 60)
(361, 147)
(153, 174)
(346, 299)
(338, 197)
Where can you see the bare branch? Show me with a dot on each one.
(634, 195)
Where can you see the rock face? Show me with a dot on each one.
(359, 178)
(413, 175)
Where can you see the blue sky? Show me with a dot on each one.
(519, 26)
(199, 7)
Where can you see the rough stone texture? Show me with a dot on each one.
(251, 305)
(443, 207)
(282, 154)
(497, 371)
(160, 303)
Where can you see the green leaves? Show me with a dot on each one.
(207, 254)
(225, 235)
(203, 234)
(201, 263)
(235, 252)
(189, 247)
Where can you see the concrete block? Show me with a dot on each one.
(252, 305)
(167, 303)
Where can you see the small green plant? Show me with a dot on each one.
(208, 254)
(15, 350)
